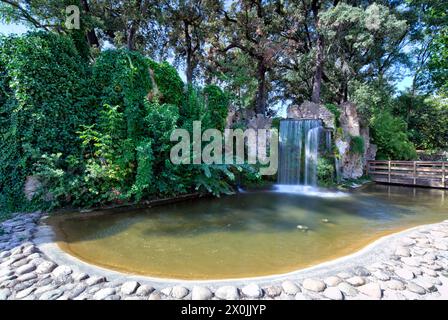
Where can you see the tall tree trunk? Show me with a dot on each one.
(130, 40)
(189, 62)
(91, 35)
(319, 62)
(260, 103)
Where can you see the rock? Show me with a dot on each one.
(27, 276)
(372, 290)
(227, 293)
(407, 242)
(441, 246)
(144, 290)
(19, 263)
(22, 294)
(113, 297)
(325, 220)
(413, 262)
(79, 276)
(155, 296)
(380, 275)
(405, 274)
(4, 294)
(45, 288)
(166, 291)
(51, 295)
(301, 296)
(201, 293)
(403, 252)
(395, 285)
(344, 275)
(4, 254)
(61, 271)
(77, 290)
(361, 272)
(95, 280)
(429, 272)
(6, 273)
(314, 285)
(415, 288)
(426, 284)
(273, 291)
(25, 269)
(302, 227)
(332, 281)
(129, 287)
(347, 289)
(46, 267)
(333, 293)
(290, 288)
(103, 293)
(252, 291)
(356, 281)
(179, 292)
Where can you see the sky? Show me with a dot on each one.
(5, 29)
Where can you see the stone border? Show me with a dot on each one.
(412, 264)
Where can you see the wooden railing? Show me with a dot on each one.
(417, 173)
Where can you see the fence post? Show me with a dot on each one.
(415, 173)
(388, 165)
(443, 174)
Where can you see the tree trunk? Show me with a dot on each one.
(130, 40)
(91, 35)
(260, 104)
(320, 48)
(319, 68)
(189, 62)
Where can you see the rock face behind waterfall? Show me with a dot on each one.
(352, 164)
(310, 110)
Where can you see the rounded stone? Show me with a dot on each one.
(45, 267)
(26, 292)
(333, 293)
(179, 292)
(332, 281)
(252, 291)
(394, 284)
(227, 293)
(51, 295)
(413, 262)
(103, 293)
(361, 272)
(372, 290)
(144, 290)
(403, 252)
(380, 275)
(95, 280)
(62, 271)
(405, 273)
(129, 287)
(4, 294)
(411, 286)
(201, 293)
(356, 281)
(155, 296)
(314, 285)
(347, 289)
(273, 291)
(25, 269)
(290, 288)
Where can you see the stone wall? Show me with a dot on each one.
(310, 110)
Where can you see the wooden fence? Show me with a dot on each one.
(416, 173)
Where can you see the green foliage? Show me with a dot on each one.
(427, 119)
(325, 171)
(217, 103)
(390, 135)
(45, 96)
(357, 145)
(168, 82)
(334, 109)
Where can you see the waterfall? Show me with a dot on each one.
(299, 149)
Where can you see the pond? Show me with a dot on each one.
(246, 235)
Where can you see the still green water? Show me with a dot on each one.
(249, 234)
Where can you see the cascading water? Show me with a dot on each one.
(299, 149)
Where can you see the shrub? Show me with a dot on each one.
(334, 109)
(169, 84)
(217, 102)
(357, 145)
(390, 135)
(45, 96)
(325, 171)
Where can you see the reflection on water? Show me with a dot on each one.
(249, 234)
